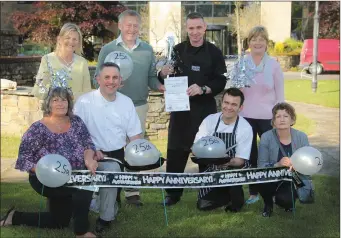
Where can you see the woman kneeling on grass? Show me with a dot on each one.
(270, 155)
(59, 132)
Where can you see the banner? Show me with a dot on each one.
(83, 178)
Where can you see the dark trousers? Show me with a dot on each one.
(64, 203)
(222, 196)
(176, 163)
(284, 192)
(259, 126)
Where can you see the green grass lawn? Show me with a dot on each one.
(328, 92)
(305, 124)
(321, 219)
(9, 146)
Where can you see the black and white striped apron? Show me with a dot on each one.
(230, 140)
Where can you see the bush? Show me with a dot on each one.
(289, 47)
(34, 49)
(279, 48)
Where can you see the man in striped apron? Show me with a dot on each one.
(237, 134)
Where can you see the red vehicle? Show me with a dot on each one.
(328, 55)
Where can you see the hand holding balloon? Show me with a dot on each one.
(285, 161)
(307, 160)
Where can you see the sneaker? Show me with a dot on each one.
(232, 209)
(134, 200)
(102, 225)
(288, 209)
(267, 211)
(252, 199)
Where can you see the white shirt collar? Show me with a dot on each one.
(120, 41)
(103, 100)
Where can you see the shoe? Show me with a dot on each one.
(4, 218)
(102, 225)
(134, 200)
(252, 199)
(267, 211)
(169, 201)
(288, 209)
(87, 235)
(231, 209)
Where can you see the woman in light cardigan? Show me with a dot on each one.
(65, 62)
(267, 90)
(270, 155)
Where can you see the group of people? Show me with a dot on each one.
(93, 133)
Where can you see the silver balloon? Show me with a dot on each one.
(53, 170)
(123, 60)
(209, 147)
(141, 152)
(307, 160)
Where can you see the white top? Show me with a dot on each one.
(119, 40)
(109, 123)
(244, 133)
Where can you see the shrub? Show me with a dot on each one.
(288, 47)
(279, 48)
(291, 45)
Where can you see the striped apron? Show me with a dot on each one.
(211, 198)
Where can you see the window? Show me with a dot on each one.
(205, 10)
(208, 8)
(221, 10)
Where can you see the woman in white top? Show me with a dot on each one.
(66, 63)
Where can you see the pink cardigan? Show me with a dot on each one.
(260, 98)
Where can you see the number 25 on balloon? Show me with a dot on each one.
(62, 170)
(141, 147)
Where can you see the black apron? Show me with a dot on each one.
(210, 198)
(183, 126)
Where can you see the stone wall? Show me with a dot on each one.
(19, 109)
(8, 43)
(287, 62)
(20, 69)
(157, 119)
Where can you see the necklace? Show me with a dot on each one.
(68, 65)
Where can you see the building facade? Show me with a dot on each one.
(161, 19)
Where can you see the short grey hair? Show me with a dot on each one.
(57, 92)
(130, 13)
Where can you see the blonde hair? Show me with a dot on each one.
(66, 29)
(258, 31)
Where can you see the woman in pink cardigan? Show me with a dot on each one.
(266, 91)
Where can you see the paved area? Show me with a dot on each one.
(327, 134)
(323, 76)
(326, 139)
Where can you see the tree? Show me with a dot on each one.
(43, 25)
(144, 32)
(329, 19)
(245, 17)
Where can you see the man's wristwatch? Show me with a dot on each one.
(203, 88)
